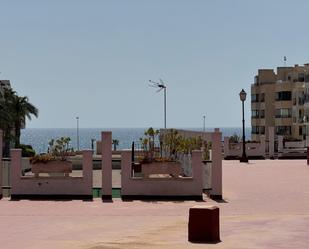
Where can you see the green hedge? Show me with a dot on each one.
(27, 150)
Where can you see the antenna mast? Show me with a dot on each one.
(284, 61)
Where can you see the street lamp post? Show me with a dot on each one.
(204, 123)
(243, 96)
(77, 133)
(164, 106)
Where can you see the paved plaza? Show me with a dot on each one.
(266, 205)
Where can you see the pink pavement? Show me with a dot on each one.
(266, 206)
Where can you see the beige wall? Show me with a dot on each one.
(266, 76)
(268, 106)
(269, 82)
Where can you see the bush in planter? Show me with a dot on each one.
(234, 139)
(27, 150)
(43, 158)
(148, 145)
(58, 150)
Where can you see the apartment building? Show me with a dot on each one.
(280, 100)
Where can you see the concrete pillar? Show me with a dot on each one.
(15, 170)
(106, 137)
(126, 164)
(197, 169)
(280, 144)
(271, 143)
(216, 172)
(1, 167)
(87, 170)
(226, 146)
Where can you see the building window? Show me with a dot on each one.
(283, 96)
(254, 98)
(262, 97)
(283, 113)
(254, 113)
(256, 80)
(262, 129)
(294, 119)
(300, 131)
(283, 130)
(301, 77)
(255, 130)
(301, 100)
(262, 114)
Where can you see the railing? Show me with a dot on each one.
(283, 116)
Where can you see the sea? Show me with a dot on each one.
(38, 138)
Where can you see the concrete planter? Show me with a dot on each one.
(172, 168)
(52, 167)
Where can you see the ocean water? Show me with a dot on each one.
(39, 137)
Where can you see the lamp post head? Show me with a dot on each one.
(242, 95)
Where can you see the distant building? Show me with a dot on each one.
(280, 100)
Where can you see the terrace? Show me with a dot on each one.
(257, 212)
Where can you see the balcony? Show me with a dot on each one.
(283, 116)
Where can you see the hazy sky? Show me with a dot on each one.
(93, 59)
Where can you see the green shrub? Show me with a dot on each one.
(234, 139)
(27, 150)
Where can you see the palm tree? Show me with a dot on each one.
(5, 126)
(6, 96)
(21, 109)
(115, 142)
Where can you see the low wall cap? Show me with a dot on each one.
(204, 207)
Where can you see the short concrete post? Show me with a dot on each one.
(106, 165)
(216, 171)
(87, 170)
(1, 167)
(262, 146)
(307, 141)
(226, 146)
(271, 143)
(204, 224)
(280, 144)
(307, 146)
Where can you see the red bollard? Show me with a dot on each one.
(203, 226)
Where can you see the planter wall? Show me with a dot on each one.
(253, 150)
(290, 150)
(1, 169)
(29, 187)
(64, 167)
(171, 168)
(179, 188)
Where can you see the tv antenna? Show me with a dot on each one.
(284, 61)
(160, 86)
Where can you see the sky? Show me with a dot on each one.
(93, 59)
